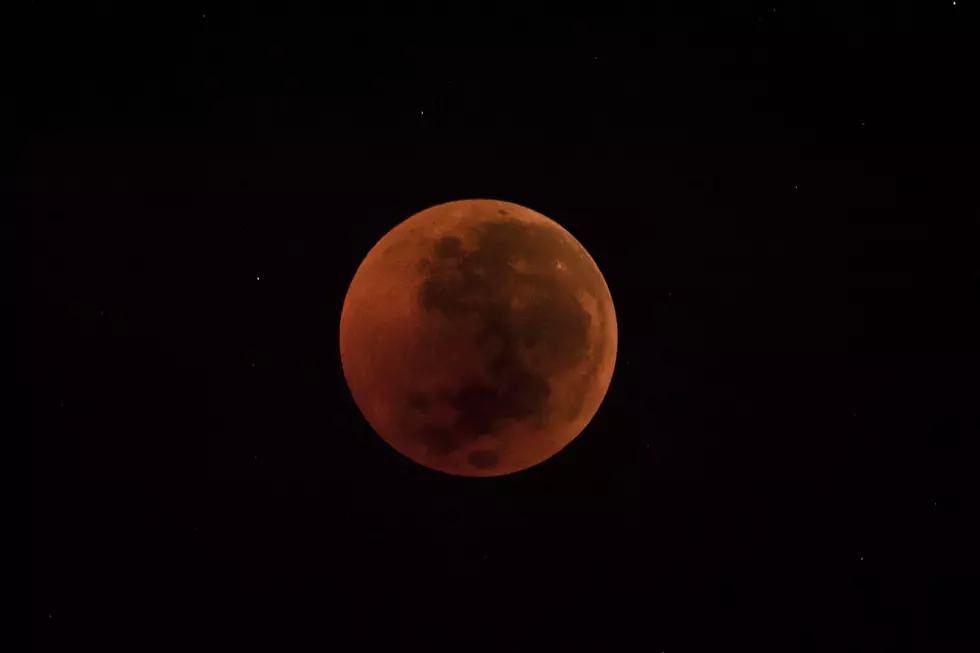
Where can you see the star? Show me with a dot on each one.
(256, 278)
(422, 112)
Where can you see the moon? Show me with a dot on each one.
(478, 337)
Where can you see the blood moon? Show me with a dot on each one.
(478, 337)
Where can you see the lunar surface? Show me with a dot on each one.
(478, 338)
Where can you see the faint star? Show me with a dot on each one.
(862, 123)
(422, 112)
(796, 187)
(862, 558)
(256, 278)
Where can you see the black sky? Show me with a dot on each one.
(781, 199)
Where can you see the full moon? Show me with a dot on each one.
(478, 338)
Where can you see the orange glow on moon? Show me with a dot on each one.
(478, 337)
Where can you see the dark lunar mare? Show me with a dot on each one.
(483, 459)
(481, 282)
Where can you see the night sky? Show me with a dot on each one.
(782, 201)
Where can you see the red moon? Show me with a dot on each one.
(478, 338)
